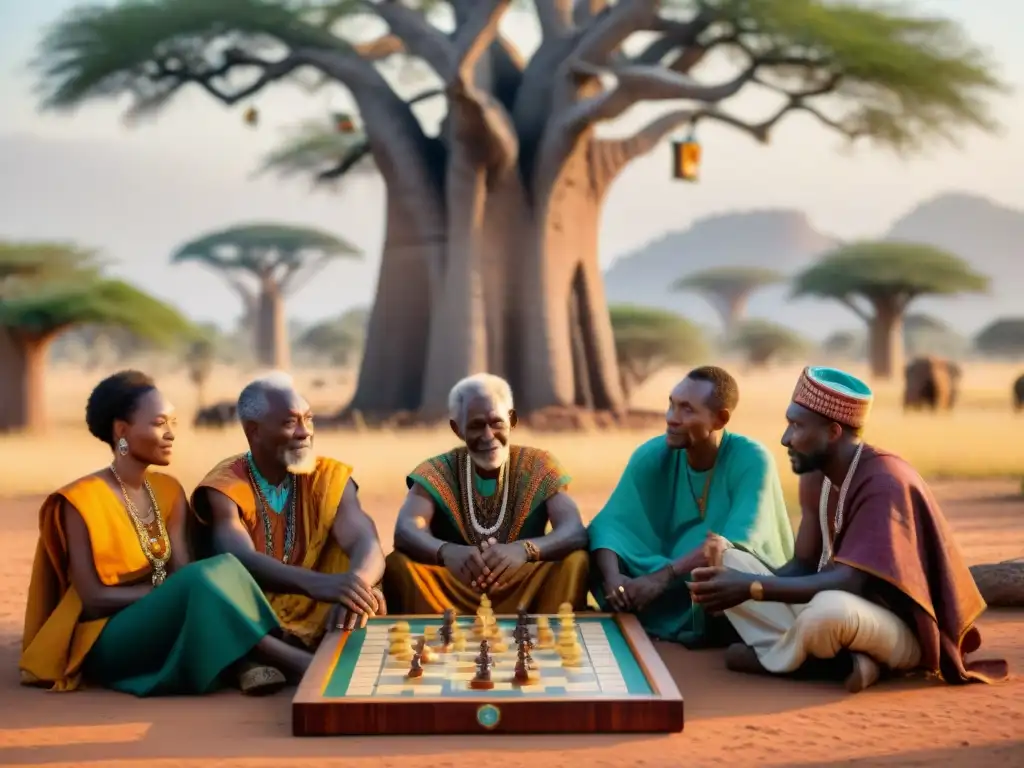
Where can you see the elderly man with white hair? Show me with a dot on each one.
(292, 518)
(475, 520)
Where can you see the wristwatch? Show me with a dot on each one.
(756, 590)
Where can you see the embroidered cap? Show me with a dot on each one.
(834, 394)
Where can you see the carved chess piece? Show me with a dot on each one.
(545, 635)
(401, 649)
(416, 667)
(524, 671)
(482, 680)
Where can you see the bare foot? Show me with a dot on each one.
(743, 658)
(865, 673)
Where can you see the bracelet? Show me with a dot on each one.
(532, 551)
(757, 590)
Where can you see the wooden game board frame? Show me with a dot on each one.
(314, 714)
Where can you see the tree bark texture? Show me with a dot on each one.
(22, 383)
(272, 343)
(885, 339)
(490, 260)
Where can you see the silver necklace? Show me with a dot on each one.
(826, 488)
(469, 495)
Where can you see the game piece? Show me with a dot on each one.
(524, 673)
(398, 633)
(482, 681)
(446, 633)
(605, 677)
(485, 653)
(425, 652)
(401, 649)
(545, 635)
(522, 630)
(416, 667)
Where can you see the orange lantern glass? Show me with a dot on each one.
(686, 156)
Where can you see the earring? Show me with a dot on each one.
(122, 447)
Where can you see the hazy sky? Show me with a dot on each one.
(136, 193)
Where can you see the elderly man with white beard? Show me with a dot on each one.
(475, 519)
(292, 518)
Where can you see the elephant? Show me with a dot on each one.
(216, 416)
(1018, 393)
(931, 382)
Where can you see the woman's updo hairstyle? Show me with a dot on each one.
(114, 398)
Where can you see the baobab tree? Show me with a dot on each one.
(728, 289)
(877, 281)
(48, 288)
(265, 263)
(490, 257)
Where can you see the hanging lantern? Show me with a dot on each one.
(686, 156)
(343, 122)
(252, 117)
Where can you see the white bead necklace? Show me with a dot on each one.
(826, 488)
(469, 495)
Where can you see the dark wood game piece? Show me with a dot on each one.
(416, 666)
(447, 630)
(483, 680)
(330, 702)
(485, 654)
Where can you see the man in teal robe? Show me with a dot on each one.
(683, 496)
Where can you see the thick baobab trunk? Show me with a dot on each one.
(22, 381)
(391, 373)
(885, 341)
(272, 328)
(568, 349)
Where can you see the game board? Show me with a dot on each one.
(619, 684)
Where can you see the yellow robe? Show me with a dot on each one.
(56, 640)
(541, 587)
(315, 547)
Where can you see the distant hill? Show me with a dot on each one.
(988, 235)
(783, 239)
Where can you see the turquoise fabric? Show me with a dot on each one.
(652, 518)
(841, 382)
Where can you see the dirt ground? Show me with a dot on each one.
(730, 719)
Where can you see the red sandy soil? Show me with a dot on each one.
(732, 720)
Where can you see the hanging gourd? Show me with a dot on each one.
(343, 122)
(252, 117)
(686, 157)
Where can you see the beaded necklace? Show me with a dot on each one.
(155, 546)
(827, 542)
(260, 486)
(276, 496)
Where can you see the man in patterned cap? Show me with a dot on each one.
(877, 579)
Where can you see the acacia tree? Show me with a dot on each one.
(47, 288)
(265, 263)
(490, 253)
(647, 340)
(339, 339)
(877, 281)
(728, 289)
(762, 342)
